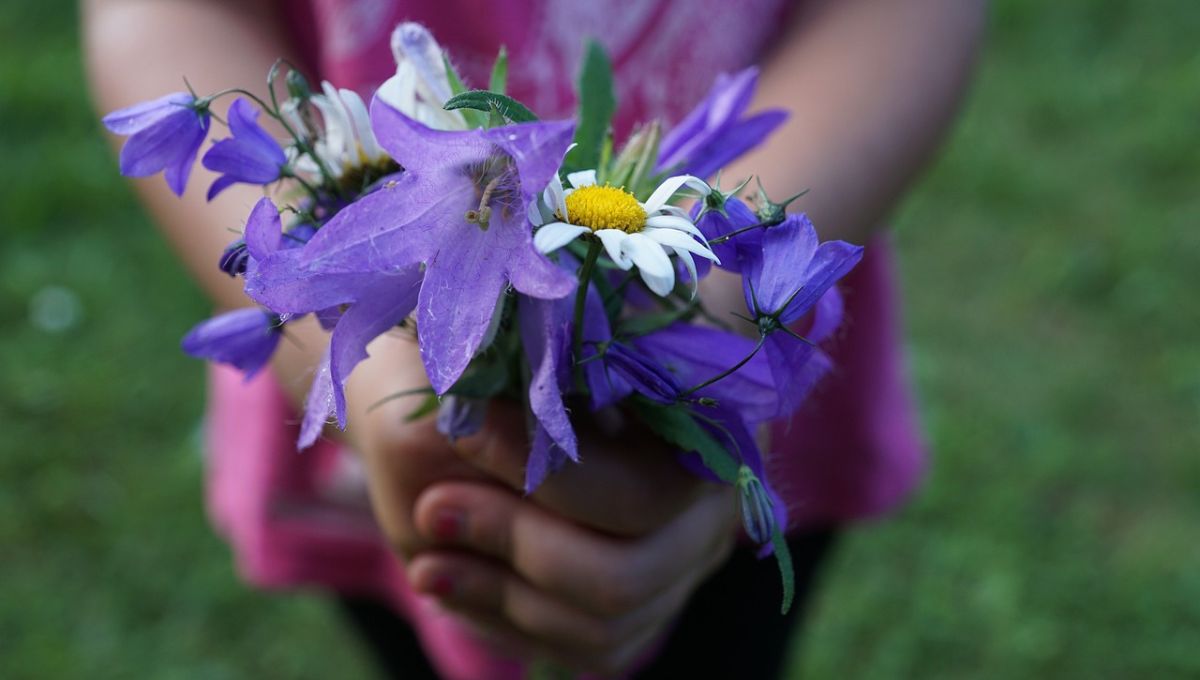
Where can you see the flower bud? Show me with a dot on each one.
(233, 260)
(297, 86)
(460, 416)
(757, 508)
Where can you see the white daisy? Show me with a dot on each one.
(633, 233)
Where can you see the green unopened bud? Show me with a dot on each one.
(770, 212)
(757, 508)
(297, 86)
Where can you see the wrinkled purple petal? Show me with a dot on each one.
(545, 458)
(536, 148)
(376, 312)
(318, 406)
(243, 338)
(545, 328)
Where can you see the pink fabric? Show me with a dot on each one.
(853, 451)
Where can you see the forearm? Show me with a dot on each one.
(872, 86)
(137, 50)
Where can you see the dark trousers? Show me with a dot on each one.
(731, 627)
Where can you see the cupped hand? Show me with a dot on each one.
(590, 569)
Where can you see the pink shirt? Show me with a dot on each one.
(301, 520)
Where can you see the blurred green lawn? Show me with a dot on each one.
(1051, 260)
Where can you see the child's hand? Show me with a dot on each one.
(589, 570)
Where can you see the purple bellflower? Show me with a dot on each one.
(795, 274)
(164, 136)
(250, 156)
(459, 210)
(714, 133)
(377, 302)
(693, 354)
(243, 338)
(720, 215)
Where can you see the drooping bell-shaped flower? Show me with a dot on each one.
(165, 135)
(243, 338)
(250, 156)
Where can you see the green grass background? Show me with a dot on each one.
(1051, 261)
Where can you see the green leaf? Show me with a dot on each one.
(596, 106)
(456, 83)
(499, 78)
(482, 100)
(677, 425)
(474, 119)
(429, 405)
(786, 572)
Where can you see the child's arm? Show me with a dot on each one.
(138, 50)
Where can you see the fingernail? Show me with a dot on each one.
(447, 525)
(442, 585)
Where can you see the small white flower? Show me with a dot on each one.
(421, 85)
(633, 233)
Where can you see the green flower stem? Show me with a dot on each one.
(726, 373)
(585, 282)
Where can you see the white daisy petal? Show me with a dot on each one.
(680, 240)
(534, 213)
(582, 178)
(360, 121)
(614, 244)
(551, 237)
(688, 262)
(674, 222)
(671, 186)
(555, 198)
(652, 262)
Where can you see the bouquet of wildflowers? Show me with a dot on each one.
(541, 261)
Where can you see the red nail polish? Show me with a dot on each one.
(447, 525)
(442, 586)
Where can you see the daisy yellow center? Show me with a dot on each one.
(605, 207)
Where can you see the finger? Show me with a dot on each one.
(517, 614)
(627, 485)
(603, 575)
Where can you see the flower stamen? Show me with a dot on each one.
(605, 207)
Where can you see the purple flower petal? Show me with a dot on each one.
(546, 336)
(460, 416)
(796, 366)
(711, 135)
(376, 312)
(264, 230)
(164, 136)
(693, 354)
(318, 406)
(251, 156)
(714, 224)
(645, 375)
(243, 338)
